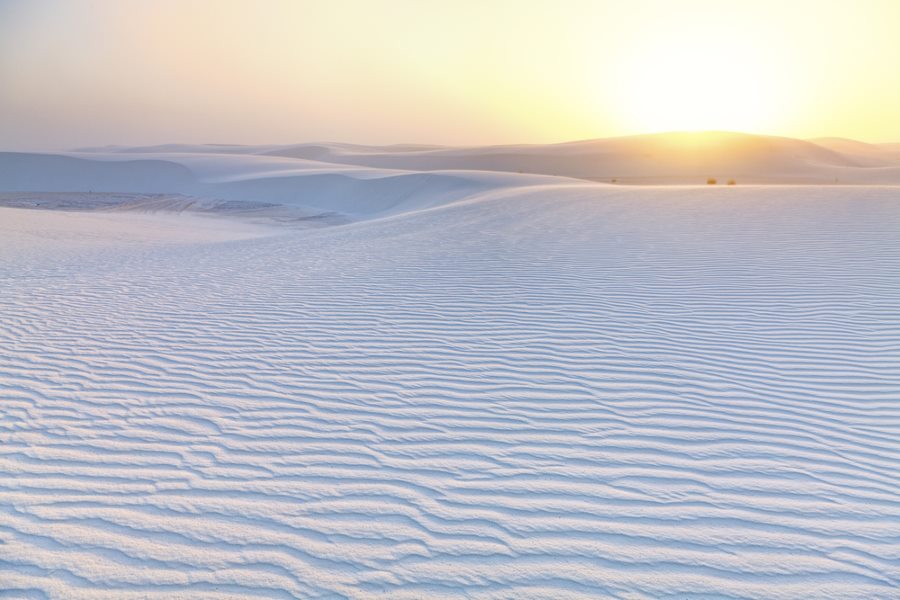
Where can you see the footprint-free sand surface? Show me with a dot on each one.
(490, 388)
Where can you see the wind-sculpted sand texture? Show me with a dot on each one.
(558, 392)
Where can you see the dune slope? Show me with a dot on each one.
(558, 392)
(663, 158)
(295, 186)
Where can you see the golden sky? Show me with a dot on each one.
(90, 72)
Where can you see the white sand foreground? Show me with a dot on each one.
(547, 390)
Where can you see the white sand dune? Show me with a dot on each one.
(657, 158)
(55, 173)
(365, 180)
(876, 155)
(684, 158)
(308, 186)
(485, 385)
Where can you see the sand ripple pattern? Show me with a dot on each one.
(579, 393)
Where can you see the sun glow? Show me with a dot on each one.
(693, 79)
(467, 72)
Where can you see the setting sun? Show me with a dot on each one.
(472, 72)
(692, 79)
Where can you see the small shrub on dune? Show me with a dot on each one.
(711, 181)
(732, 182)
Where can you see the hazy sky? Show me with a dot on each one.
(91, 72)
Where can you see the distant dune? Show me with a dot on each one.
(681, 158)
(678, 158)
(54, 173)
(357, 181)
(876, 155)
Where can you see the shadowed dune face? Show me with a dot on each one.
(207, 180)
(53, 173)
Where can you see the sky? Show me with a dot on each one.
(79, 73)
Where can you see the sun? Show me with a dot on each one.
(694, 79)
